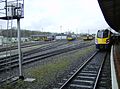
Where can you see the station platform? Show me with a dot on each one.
(115, 65)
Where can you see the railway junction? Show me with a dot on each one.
(61, 64)
(93, 70)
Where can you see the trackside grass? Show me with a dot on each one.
(48, 72)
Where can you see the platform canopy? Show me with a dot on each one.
(111, 12)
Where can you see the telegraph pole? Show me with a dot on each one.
(61, 31)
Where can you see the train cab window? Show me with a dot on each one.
(99, 34)
(102, 34)
(105, 33)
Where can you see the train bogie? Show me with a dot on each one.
(103, 46)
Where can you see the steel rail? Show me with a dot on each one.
(31, 52)
(39, 56)
(95, 85)
(82, 67)
(63, 86)
(14, 58)
(24, 45)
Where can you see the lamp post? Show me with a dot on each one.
(61, 31)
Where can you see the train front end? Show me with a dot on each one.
(103, 39)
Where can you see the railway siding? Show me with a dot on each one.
(37, 55)
(51, 70)
(24, 49)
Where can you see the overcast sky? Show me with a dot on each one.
(72, 15)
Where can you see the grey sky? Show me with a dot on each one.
(73, 15)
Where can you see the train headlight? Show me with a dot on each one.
(108, 41)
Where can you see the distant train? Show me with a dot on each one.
(49, 38)
(88, 37)
(103, 39)
(71, 37)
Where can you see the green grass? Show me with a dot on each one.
(47, 73)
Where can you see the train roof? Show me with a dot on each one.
(104, 30)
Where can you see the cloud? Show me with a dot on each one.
(70, 14)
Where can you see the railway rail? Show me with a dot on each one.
(28, 59)
(88, 75)
(9, 60)
(13, 61)
(35, 50)
(24, 45)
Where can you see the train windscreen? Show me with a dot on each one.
(102, 34)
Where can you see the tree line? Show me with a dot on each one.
(24, 33)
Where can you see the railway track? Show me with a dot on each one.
(9, 60)
(13, 47)
(33, 51)
(24, 45)
(13, 61)
(25, 49)
(105, 76)
(87, 76)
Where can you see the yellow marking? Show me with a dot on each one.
(101, 40)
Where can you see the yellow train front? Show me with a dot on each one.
(103, 39)
(71, 37)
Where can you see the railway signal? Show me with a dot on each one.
(9, 10)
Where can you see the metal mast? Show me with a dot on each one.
(14, 10)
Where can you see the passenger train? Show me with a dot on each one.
(103, 39)
(71, 37)
(88, 37)
(49, 38)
